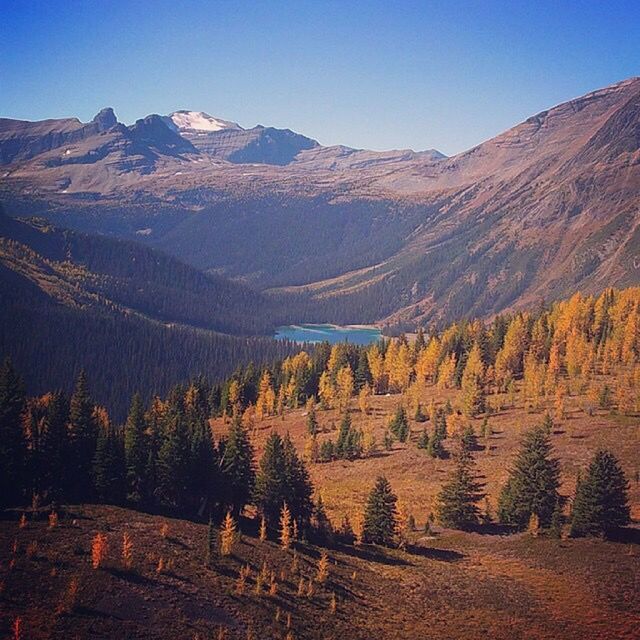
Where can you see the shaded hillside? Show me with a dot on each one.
(537, 212)
(135, 318)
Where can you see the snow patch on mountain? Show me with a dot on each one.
(200, 121)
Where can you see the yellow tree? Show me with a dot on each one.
(228, 535)
(234, 394)
(400, 368)
(363, 398)
(446, 372)
(473, 397)
(265, 403)
(509, 361)
(326, 391)
(390, 358)
(630, 338)
(345, 384)
(427, 363)
(376, 366)
(285, 526)
(533, 383)
(553, 369)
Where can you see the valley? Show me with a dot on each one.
(399, 238)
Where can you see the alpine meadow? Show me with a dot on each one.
(258, 385)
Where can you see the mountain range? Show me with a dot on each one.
(396, 237)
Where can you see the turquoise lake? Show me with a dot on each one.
(328, 333)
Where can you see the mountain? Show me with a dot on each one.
(134, 317)
(401, 237)
(229, 141)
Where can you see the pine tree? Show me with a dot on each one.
(312, 420)
(83, 436)
(210, 548)
(173, 462)
(108, 467)
(349, 443)
(135, 449)
(399, 425)
(458, 498)
(55, 447)
(601, 503)
(321, 524)
(423, 440)
(238, 474)
(380, 514)
(13, 449)
(363, 377)
(533, 482)
(270, 486)
(555, 528)
(299, 490)
(434, 446)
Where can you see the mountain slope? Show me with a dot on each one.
(402, 237)
(135, 318)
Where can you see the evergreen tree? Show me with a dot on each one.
(423, 440)
(458, 498)
(203, 461)
(327, 451)
(547, 424)
(237, 467)
(363, 375)
(399, 425)
(419, 414)
(312, 420)
(468, 439)
(434, 446)
(299, 490)
(270, 487)
(55, 447)
(173, 463)
(13, 449)
(109, 470)
(533, 482)
(380, 514)
(135, 450)
(601, 503)
(321, 524)
(555, 528)
(83, 436)
(210, 544)
(349, 443)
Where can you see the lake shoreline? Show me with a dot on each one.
(359, 334)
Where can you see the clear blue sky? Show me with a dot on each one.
(380, 75)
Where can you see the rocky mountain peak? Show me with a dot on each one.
(105, 119)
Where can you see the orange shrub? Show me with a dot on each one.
(99, 548)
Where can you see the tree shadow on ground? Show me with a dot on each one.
(625, 535)
(129, 575)
(372, 553)
(434, 553)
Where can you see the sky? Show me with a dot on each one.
(378, 75)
